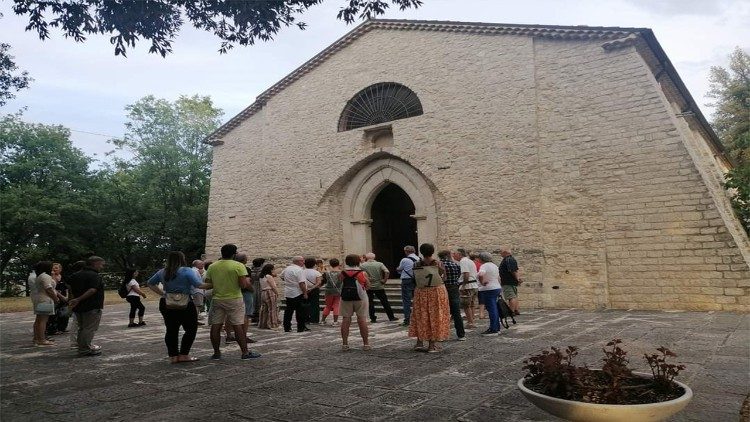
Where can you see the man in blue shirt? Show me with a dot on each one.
(406, 269)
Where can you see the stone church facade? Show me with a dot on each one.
(578, 147)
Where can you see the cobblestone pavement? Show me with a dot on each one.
(307, 377)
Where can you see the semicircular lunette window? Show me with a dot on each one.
(379, 103)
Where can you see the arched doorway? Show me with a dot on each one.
(393, 225)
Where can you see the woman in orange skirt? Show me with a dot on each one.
(430, 318)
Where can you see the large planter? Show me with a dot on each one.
(588, 412)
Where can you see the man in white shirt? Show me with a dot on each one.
(406, 268)
(295, 292)
(469, 284)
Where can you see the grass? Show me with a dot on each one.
(22, 304)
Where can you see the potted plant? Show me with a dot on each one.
(613, 393)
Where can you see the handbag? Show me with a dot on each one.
(176, 300)
(45, 307)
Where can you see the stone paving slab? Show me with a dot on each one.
(306, 377)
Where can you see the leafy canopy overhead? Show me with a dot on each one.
(731, 90)
(233, 21)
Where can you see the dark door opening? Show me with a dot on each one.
(392, 226)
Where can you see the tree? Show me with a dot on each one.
(731, 89)
(157, 200)
(44, 192)
(10, 80)
(233, 21)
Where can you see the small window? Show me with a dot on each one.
(379, 103)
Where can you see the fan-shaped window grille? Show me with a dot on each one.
(379, 103)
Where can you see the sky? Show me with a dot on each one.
(85, 87)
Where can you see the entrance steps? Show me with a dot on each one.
(392, 291)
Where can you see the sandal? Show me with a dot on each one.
(420, 349)
(433, 350)
(44, 343)
(344, 347)
(187, 360)
(366, 347)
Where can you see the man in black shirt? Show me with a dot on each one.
(509, 279)
(87, 290)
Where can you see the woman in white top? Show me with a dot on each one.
(313, 279)
(43, 297)
(134, 297)
(489, 290)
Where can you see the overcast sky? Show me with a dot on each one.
(84, 87)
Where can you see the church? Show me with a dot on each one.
(578, 147)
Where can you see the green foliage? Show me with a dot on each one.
(158, 197)
(159, 21)
(731, 89)
(10, 79)
(44, 191)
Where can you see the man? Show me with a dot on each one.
(510, 279)
(295, 292)
(469, 285)
(406, 270)
(248, 297)
(199, 295)
(87, 289)
(255, 279)
(378, 274)
(228, 277)
(452, 284)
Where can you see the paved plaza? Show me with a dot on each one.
(307, 377)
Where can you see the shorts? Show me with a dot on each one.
(347, 308)
(231, 310)
(510, 292)
(468, 297)
(248, 300)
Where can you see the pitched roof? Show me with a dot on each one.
(614, 37)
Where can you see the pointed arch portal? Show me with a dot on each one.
(386, 205)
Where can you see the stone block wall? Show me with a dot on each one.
(566, 152)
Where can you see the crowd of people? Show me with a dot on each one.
(232, 296)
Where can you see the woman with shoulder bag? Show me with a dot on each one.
(44, 297)
(176, 305)
(430, 318)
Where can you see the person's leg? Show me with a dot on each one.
(383, 298)
(326, 309)
(141, 310)
(40, 327)
(216, 316)
(133, 308)
(469, 296)
(407, 293)
(371, 299)
(345, 323)
(454, 301)
(300, 313)
(288, 310)
(189, 322)
(364, 331)
(89, 323)
(490, 302)
(241, 340)
(336, 308)
(314, 308)
(172, 323)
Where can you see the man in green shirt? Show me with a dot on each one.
(378, 274)
(228, 277)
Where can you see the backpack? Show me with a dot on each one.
(504, 311)
(349, 288)
(427, 276)
(123, 290)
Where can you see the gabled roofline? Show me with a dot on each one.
(605, 33)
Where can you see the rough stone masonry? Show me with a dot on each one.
(579, 147)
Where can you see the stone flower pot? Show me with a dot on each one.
(589, 412)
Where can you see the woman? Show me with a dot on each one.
(354, 277)
(333, 291)
(430, 318)
(268, 317)
(53, 320)
(313, 278)
(44, 297)
(134, 297)
(62, 313)
(489, 290)
(177, 279)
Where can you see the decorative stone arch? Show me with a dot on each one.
(364, 186)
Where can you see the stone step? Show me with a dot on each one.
(392, 292)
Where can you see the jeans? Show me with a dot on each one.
(296, 306)
(173, 319)
(135, 305)
(407, 293)
(88, 323)
(454, 300)
(489, 298)
(383, 298)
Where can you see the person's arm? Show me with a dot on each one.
(400, 266)
(318, 282)
(481, 277)
(136, 288)
(514, 271)
(156, 289)
(87, 294)
(367, 280)
(52, 293)
(272, 282)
